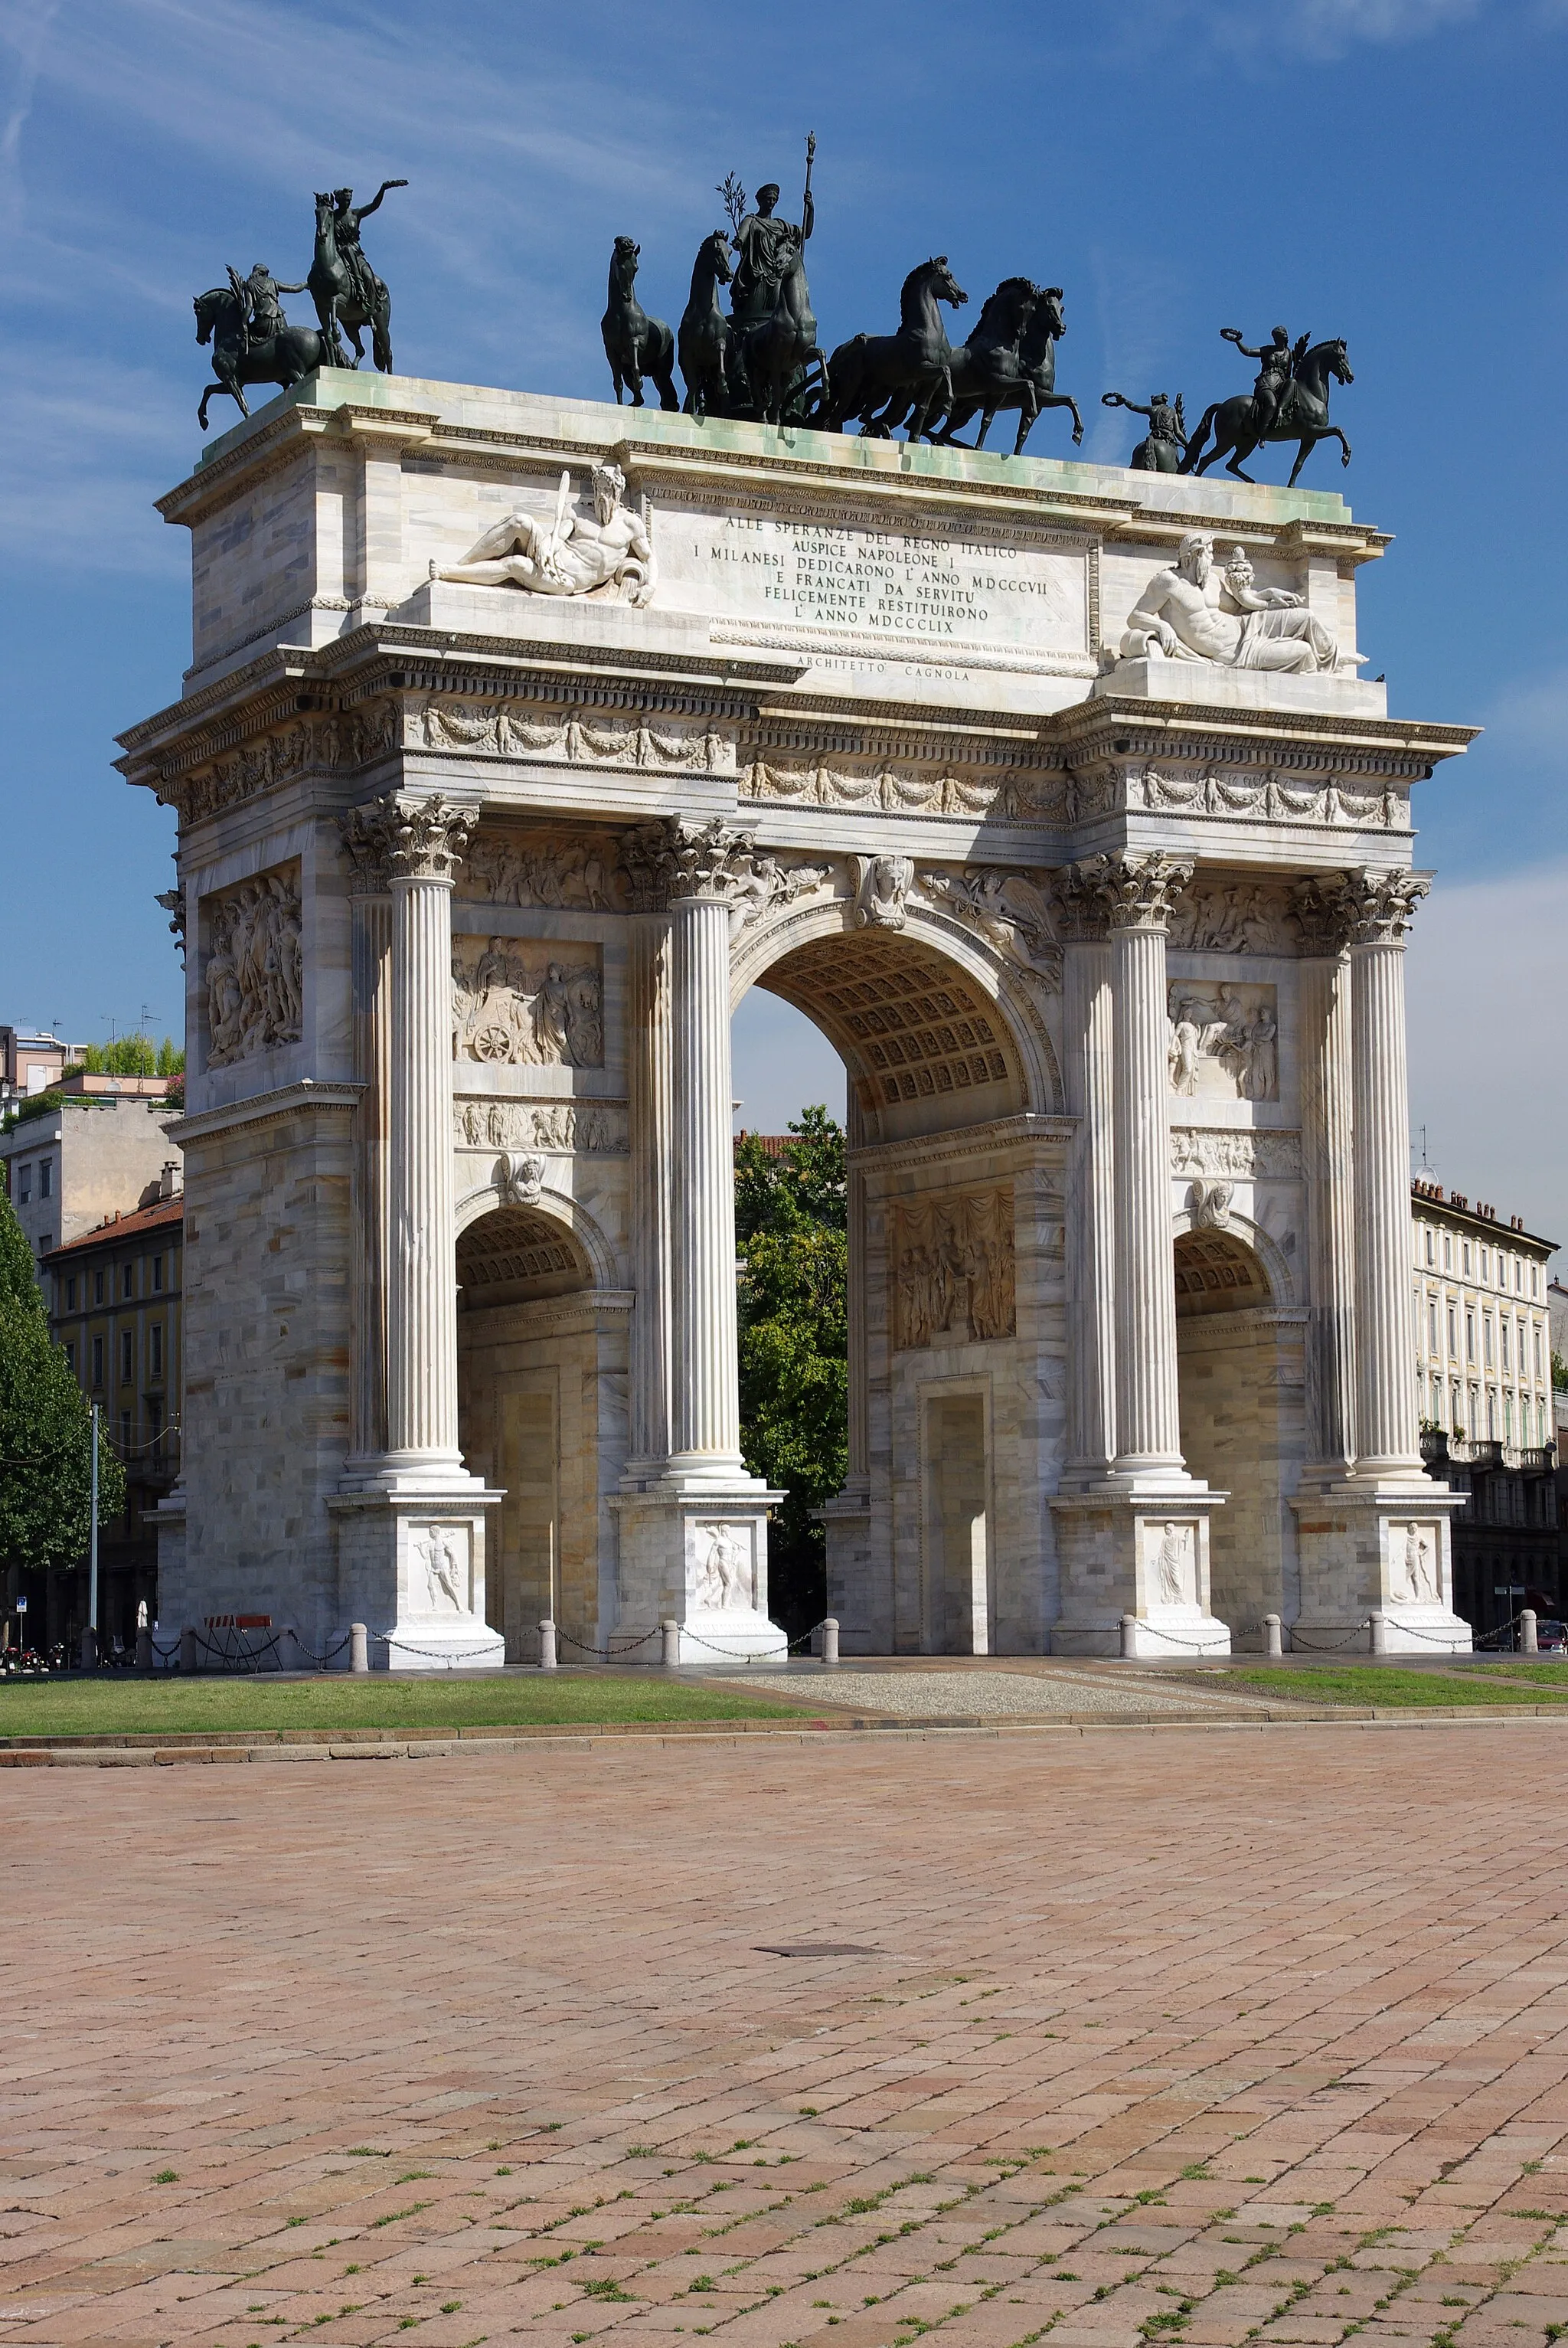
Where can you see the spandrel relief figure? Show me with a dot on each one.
(570, 553)
(1193, 612)
(1223, 1040)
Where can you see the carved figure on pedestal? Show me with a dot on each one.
(1173, 1566)
(726, 1570)
(1420, 1574)
(1166, 443)
(634, 344)
(1289, 401)
(571, 555)
(439, 1553)
(1188, 613)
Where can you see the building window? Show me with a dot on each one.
(1491, 1413)
(45, 1178)
(158, 1275)
(1537, 1357)
(1508, 1418)
(71, 1295)
(1467, 1259)
(1448, 1252)
(156, 1362)
(1485, 1265)
(1518, 1273)
(1430, 1257)
(70, 1357)
(1437, 1402)
(1486, 1338)
(24, 1185)
(126, 1361)
(127, 1280)
(98, 1288)
(155, 1424)
(1431, 1325)
(1469, 1336)
(1535, 1280)
(1453, 1332)
(46, 1242)
(1502, 1342)
(98, 1363)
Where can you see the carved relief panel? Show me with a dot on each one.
(253, 968)
(520, 1004)
(952, 1261)
(1223, 1040)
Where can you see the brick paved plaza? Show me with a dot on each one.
(1190, 2034)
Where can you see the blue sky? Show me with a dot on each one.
(1391, 170)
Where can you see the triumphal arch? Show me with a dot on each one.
(521, 736)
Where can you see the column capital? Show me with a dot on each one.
(1319, 914)
(671, 859)
(1380, 906)
(1122, 891)
(401, 837)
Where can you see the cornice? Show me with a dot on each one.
(261, 1109)
(1115, 725)
(953, 1148)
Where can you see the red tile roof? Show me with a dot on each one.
(134, 1226)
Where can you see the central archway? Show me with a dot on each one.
(935, 1544)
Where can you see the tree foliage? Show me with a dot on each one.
(133, 1055)
(791, 1231)
(46, 1427)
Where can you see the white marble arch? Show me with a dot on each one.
(558, 1207)
(1014, 997)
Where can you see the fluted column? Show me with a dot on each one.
(427, 838)
(371, 983)
(652, 1182)
(1091, 1235)
(1141, 891)
(706, 1410)
(1327, 1167)
(858, 1478)
(1388, 1430)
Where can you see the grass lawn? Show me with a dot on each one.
(1385, 1686)
(175, 1707)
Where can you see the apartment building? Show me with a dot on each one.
(75, 1154)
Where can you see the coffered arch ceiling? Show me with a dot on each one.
(512, 1255)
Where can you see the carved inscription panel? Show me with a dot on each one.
(953, 1269)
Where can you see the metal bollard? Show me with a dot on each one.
(358, 1647)
(1129, 1635)
(1379, 1641)
(546, 1646)
(187, 1656)
(144, 1649)
(830, 1640)
(1527, 1643)
(1273, 1640)
(672, 1655)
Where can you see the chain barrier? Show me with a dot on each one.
(1199, 1646)
(390, 1638)
(607, 1654)
(1326, 1646)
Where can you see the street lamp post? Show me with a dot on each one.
(91, 1642)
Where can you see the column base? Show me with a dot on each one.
(696, 1554)
(411, 1567)
(1137, 1545)
(1377, 1545)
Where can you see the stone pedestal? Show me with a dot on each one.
(413, 1570)
(699, 1559)
(1144, 1553)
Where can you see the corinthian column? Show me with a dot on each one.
(652, 1164)
(425, 840)
(370, 975)
(1378, 907)
(1139, 892)
(1326, 1118)
(1091, 1182)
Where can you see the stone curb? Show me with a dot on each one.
(147, 1753)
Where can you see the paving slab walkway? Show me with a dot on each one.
(1022, 1692)
(1158, 2038)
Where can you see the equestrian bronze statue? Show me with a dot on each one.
(251, 340)
(344, 286)
(1166, 444)
(1289, 402)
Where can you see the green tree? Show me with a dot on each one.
(128, 1056)
(791, 1231)
(45, 1428)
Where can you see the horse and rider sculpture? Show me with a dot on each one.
(761, 361)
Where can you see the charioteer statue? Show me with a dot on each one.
(763, 243)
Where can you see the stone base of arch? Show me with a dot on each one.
(1135, 1571)
(411, 1567)
(1376, 1569)
(696, 1554)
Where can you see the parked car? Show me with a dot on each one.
(1552, 1636)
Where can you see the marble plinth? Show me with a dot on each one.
(1379, 1548)
(411, 1567)
(696, 1556)
(1112, 1540)
(1204, 684)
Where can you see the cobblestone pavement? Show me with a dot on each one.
(977, 1693)
(1179, 2035)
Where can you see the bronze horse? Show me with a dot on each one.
(634, 344)
(702, 338)
(873, 375)
(1031, 389)
(283, 358)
